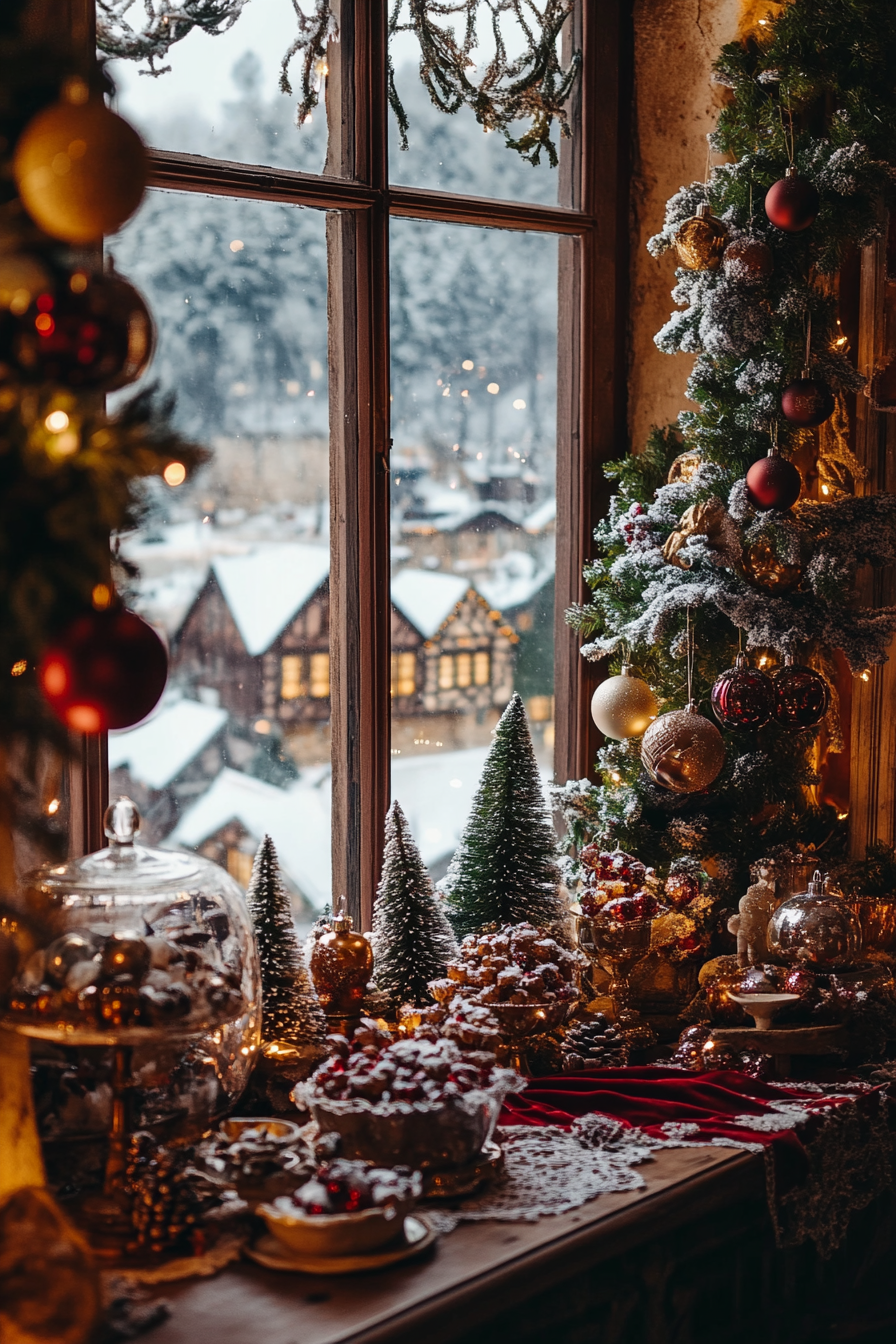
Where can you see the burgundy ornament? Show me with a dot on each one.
(627, 909)
(793, 203)
(773, 482)
(748, 261)
(108, 670)
(92, 329)
(807, 401)
(801, 696)
(743, 697)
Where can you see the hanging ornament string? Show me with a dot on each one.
(690, 654)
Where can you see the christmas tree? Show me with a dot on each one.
(689, 541)
(412, 939)
(290, 1010)
(505, 870)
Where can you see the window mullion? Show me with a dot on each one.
(359, 458)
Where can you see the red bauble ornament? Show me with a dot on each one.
(807, 401)
(801, 696)
(793, 203)
(743, 697)
(627, 909)
(748, 261)
(773, 483)
(90, 330)
(108, 671)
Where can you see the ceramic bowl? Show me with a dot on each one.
(280, 1132)
(337, 1233)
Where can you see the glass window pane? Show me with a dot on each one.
(452, 151)
(234, 565)
(474, 383)
(221, 96)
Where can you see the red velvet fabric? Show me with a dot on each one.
(650, 1097)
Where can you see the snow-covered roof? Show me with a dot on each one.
(515, 579)
(297, 819)
(542, 517)
(427, 599)
(157, 751)
(266, 588)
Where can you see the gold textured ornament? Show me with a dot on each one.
(682, 751)
(623, 706)
(700, 241)
(341, 964)
(685, 467)
(80, 169)
(765, 569)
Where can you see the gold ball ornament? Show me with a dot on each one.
(700, 241)
(623, 706)
(683, 752)
(685, 467)
(765, 569)
(80, 169)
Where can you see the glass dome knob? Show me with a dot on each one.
(121, 821)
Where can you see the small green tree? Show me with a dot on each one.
(289, 1007)
(412, 939)
(505, 870)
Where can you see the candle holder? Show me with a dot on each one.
(617, 947)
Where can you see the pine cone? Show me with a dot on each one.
(594, 1044)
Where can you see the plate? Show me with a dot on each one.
(268, 1251)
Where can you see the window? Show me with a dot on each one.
(273, 291)
(291, 684)
(404, 673)
(239, 866)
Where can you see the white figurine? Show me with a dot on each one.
(751, 924)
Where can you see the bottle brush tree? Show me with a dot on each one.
(505, 870)
(412, 939)
(289, 1006)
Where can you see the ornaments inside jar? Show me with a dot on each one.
(773, 482)
(89, 330)
(748, 261)
(743, 698)
(623, 706)
(792, 204)
(682, 751)
(801, 696)
(108, 670)
(700, 240)
(807, 401)
(80, 169)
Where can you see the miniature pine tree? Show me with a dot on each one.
(505, 870)
(412, 939)
(289, 1007)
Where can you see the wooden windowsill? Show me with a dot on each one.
(473, 1274)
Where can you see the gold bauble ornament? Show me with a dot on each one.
(685, 467)
(700, 241)
(623, 706)
(765, 569)
(683, 752)
(80, 169)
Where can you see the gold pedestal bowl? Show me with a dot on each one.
(617, 947)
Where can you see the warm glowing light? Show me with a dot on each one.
(19, 667)
(83, 718)
(493, 388)
(616, 778)
(455, 447)
(237, 245)
(55, 677)
(478, 457)
(77, 282)
(519, 404)
(465, 392)
(292, 388)
(44, 324)
(467, 364)
(52, 807)
(841, 816)
(175, 473)
(446, 391)
(262, 726)
(865, 676)
(56, 422)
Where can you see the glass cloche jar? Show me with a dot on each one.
(151, 949)
(815, 928)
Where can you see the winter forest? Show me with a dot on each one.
(238, 290)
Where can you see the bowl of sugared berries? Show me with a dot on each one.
(518, 965)
(618, 888)
(422, 1102)
(346, 1208)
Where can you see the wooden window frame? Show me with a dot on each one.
(591, 221)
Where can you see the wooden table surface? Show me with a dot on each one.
(468, 1275)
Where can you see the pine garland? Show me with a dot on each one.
(289, 1008)
(815, 88)
(412, 939)
(505, 870)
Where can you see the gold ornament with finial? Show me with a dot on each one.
(764, 568)
(623, 706)
(700, 241)
(682, 751)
